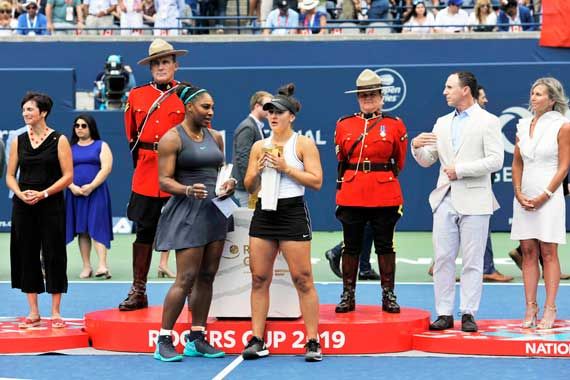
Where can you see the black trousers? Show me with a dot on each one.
(39, 229)
(382, 220)
(145, 212)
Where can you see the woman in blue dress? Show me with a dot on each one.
(87, 199)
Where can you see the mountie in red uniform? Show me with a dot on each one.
(167, 115)
(370, 179)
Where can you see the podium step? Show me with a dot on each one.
(43, 338)
(367, 330)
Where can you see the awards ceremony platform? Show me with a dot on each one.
(42, 338)
(366, 331)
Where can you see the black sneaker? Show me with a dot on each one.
(201, 347)
(255, 349)
(313, 351)
(165, 350)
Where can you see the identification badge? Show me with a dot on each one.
(383, 131)
(69, 14)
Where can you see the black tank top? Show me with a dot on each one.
(39, 168)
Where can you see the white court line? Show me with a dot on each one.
(226, 371)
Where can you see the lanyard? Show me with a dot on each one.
(279, 17)
(32, 26)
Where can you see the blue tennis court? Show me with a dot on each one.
(498, 302)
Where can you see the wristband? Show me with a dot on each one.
(235, 181)
(47, 195)
(188, 188)
(548, 192)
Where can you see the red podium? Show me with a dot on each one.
(498, 338)
(42, 338)
(368, 330)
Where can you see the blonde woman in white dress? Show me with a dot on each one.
(540, 163)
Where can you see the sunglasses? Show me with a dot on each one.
(31, 7)
(80, 125)
(4, 11)
(485, 5)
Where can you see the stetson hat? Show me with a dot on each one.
(368, 80)
(160, 48)
(308, 4)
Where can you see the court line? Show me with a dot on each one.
(226, 371)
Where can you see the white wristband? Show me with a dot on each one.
(548, 192)
(46, 194)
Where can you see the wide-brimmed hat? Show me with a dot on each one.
(160, 48)
(368, 80)
(308, 4)
(30, 2)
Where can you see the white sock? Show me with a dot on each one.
(165, 332)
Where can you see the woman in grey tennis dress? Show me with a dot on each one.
(189, 157)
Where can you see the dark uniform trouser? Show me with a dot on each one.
(145, 212)
(383, 222)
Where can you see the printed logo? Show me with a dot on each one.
(231, 250)
(507, 116)
(393, 88)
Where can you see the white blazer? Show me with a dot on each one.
(480, 153)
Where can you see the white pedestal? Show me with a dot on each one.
(232, 286)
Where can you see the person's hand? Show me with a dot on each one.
(87, 189)
(424, 139)
(537, 202)
(32, 197)
(276, 162)
(524, 201)
(261, 164)
(50, 27)
(199, 191)
(25, 197)
(228, 188)
(450, 172)
(75, 190)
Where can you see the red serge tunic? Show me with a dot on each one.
(169, 114)
(385, 141)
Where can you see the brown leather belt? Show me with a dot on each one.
(367, 166)
(148, 146)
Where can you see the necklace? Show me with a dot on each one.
(196, 136)
(37, 139)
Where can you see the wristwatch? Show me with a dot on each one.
(46, 194)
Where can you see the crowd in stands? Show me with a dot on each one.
(279, 17)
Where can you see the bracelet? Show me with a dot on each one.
(518, 188)
(235, 181)
(548, 192)
(46, 194)
(188, 188)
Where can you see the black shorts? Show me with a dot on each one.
(145, 210)
(290, 221)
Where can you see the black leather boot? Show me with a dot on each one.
(349, 271)
(387, 266)
(137, 299)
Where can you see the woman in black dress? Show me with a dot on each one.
(43, 157)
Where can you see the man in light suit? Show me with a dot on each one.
(248, 132)
(469, 146)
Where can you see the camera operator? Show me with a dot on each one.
(112, 86)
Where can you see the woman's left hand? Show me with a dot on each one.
(86, 189)
(228, 188)
(276, 162)
(538, 201)
(33, 196)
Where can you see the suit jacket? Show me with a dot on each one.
(480, 153)
(245, 135)
(525, 16)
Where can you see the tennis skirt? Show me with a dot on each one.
(290, 221)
